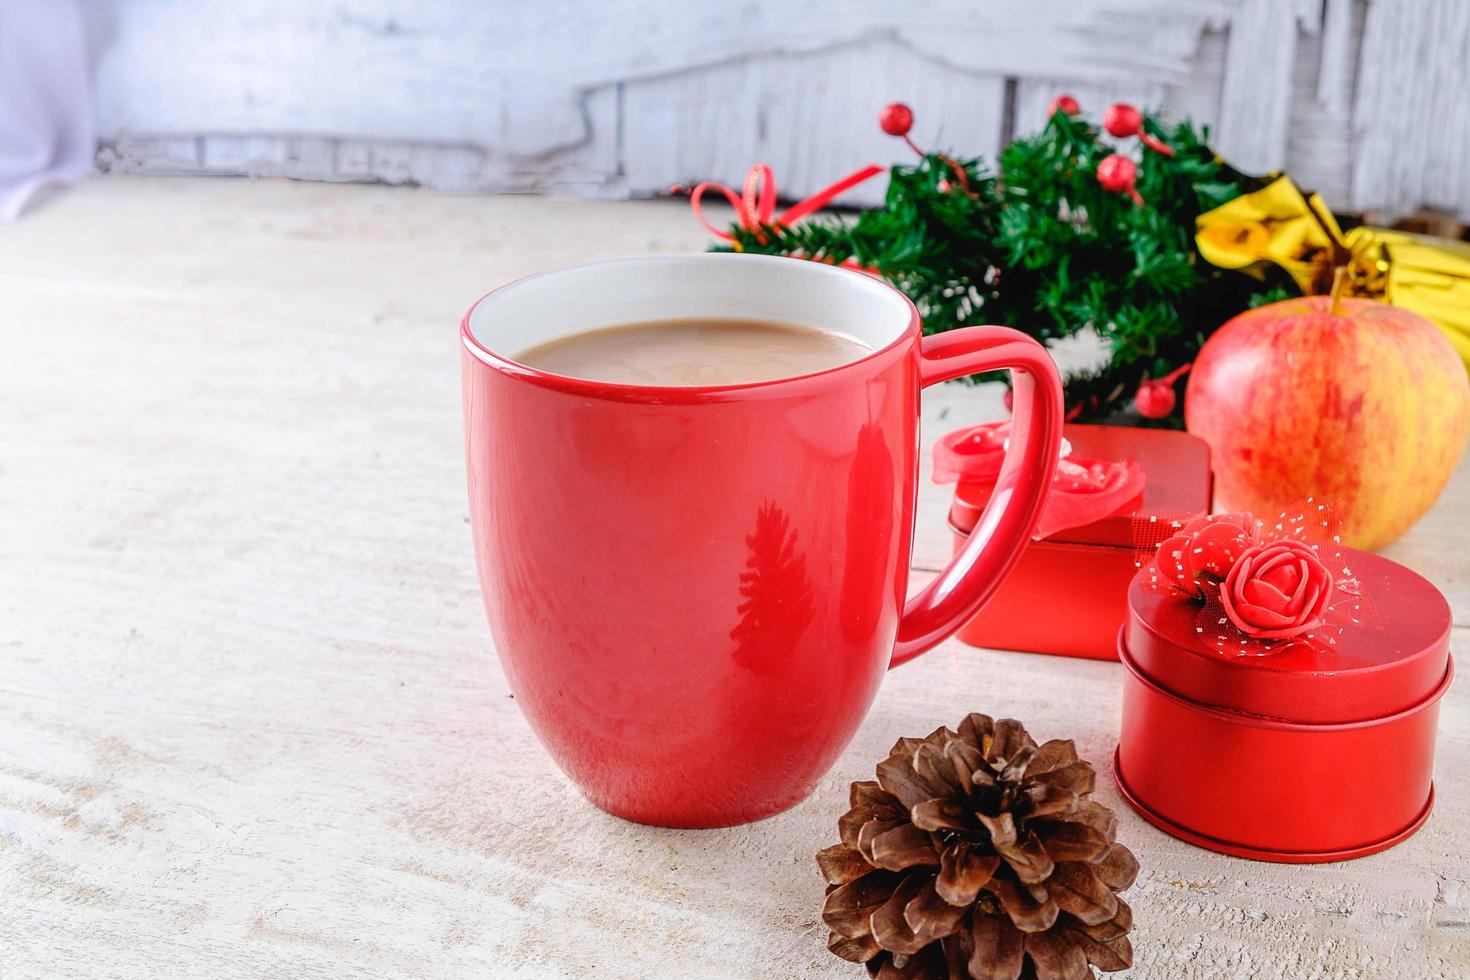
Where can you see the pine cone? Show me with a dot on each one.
(977, 854)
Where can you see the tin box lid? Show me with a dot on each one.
(1370, 673)
(1176, 466)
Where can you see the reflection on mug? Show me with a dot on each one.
(776, 593)
(872, 501)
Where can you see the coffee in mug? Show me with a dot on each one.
(702, 351)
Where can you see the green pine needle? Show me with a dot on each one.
(1042, 247)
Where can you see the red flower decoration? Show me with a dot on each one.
(1210, 544)
(1261, 587)
(1277, 589)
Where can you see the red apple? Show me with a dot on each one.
(1363, 405)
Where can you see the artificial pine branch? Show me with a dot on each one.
(1043, 247)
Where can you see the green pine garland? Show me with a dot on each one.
(1044, 248)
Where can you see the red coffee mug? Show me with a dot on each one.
(694, 591)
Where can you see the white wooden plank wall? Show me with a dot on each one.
(1361, 100)
(1413, 108)
(812, 117)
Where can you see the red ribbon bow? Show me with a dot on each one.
(1084, 490)
(755, 206)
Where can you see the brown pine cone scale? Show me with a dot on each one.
(977, 854)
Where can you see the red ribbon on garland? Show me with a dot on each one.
(755, 206)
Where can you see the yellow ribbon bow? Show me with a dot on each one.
(1281, 225)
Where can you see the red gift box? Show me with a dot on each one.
(1068, 592)
(1315, 753)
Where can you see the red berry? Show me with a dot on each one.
(1155, 399)
(1122, 119)
(896, 119)
(1065, 104)
(1117, 173)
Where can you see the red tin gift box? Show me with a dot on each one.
(1312, 754)
(1068, 592)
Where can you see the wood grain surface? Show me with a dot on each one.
(250, 720)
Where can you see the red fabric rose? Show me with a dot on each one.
(1277, 589)
(1209, 544)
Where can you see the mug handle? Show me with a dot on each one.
(1010, 516)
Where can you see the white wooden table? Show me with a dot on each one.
(250, 720)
